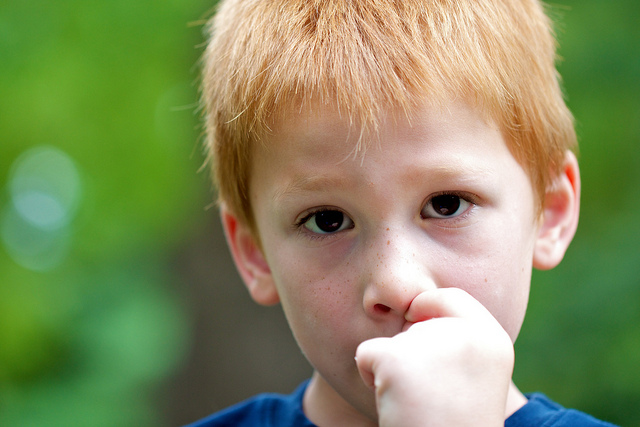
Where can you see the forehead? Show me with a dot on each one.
(319, 148)
(322, 130)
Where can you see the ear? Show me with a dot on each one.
(560, 217)
(249, 260)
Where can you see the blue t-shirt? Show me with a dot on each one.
(277, 410)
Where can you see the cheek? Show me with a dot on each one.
(504, 291)
(497, 272)
(317, 302)
(319, 279)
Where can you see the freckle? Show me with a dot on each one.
(387, 228)
(485, 280)
(388, 241)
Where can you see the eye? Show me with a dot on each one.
(445, 206)
(327, 221)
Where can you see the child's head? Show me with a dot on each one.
(467, 135)
(365, 59)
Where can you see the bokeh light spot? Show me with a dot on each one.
(45, 187)
(45, 191)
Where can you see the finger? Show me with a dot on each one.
(446, 302)
(367, 355)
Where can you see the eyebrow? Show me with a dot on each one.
(302, 183)
(463, 173)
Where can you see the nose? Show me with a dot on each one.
(396, 273)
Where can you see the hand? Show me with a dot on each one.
(451, 366)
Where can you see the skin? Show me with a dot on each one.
(429, 299)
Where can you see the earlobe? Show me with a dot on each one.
(249, 260)
(560, 216)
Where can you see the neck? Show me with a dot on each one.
(515, 400)
(323, 406)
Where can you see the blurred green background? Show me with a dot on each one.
(119, 305)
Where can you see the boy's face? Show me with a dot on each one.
(351, 240)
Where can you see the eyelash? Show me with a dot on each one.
(463, 195)
(299, 224)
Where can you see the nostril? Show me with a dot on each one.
(381, 308)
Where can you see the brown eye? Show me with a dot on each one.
(445, 206)
(328, 221)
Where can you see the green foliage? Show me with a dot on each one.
(89, 321)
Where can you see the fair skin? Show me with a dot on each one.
(403, 272)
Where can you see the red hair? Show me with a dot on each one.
(368, 58)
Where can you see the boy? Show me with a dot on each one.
(390, 172)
